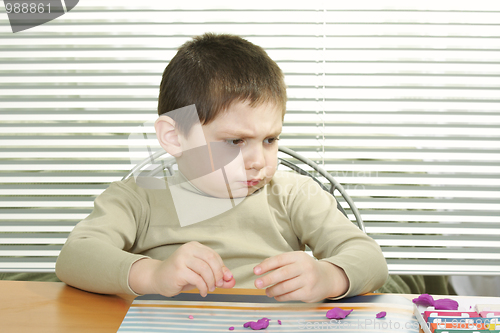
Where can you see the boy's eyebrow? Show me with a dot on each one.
(242, 134)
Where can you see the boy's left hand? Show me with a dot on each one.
(298, 276)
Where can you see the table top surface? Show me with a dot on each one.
(56, 307)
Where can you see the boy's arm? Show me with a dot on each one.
(351, 262)
(335, 239)
(95, 257)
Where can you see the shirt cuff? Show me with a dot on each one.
(126, 266)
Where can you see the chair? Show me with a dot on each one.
(153, 166)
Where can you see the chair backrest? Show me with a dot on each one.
(153, 166)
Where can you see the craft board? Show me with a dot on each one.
(217, 313)
(465, 305)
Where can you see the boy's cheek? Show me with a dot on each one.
(235, 170)
(270, 170)
(215, 184)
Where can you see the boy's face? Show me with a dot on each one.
(249, 137)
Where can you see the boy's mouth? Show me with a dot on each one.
(252, 182)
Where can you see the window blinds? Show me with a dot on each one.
(399, 101)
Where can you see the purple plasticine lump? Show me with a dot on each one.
(445, 304)
(231, 328)
(257, 325)
(424, 300)
(337, 313)
(439, 304)
(381, 314)
(279, 322)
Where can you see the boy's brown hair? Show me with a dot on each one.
(214, 70)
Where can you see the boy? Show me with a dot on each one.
(227, 218)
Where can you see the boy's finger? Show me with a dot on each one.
(205, 253)
(202, 269)
(196, 280)
(292, 296)
(215, 264)
(284, 288)
(278, 276)
(227, 275)
(275, 262)
(229, 284)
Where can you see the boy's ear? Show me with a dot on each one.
(168, 136)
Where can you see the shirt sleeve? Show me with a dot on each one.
(334, 238)
(95, 256)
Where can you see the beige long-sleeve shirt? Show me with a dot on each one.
(136, 219)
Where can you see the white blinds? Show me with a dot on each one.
(399, 100)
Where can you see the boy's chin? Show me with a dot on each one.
(239, 193)
(245, 192)
(236, 193)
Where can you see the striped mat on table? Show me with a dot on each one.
(220, 313)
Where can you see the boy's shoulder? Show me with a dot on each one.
(139, 186)
(291, 187)
(140, 183)
(282, 175)
(290, 179)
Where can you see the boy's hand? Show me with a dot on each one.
(298, 276)
(192, 265)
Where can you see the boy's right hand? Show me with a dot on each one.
(192, 265)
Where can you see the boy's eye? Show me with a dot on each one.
(234, 142)
(270, 141)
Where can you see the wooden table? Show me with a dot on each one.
(55, 307)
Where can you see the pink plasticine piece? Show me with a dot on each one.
(381, 314)
(257, 325)
(279, 322)
(231, 328)
(191, 317)
(424, 300)
(445, 304)
(337, 313)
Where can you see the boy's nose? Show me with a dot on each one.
(254, 158)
